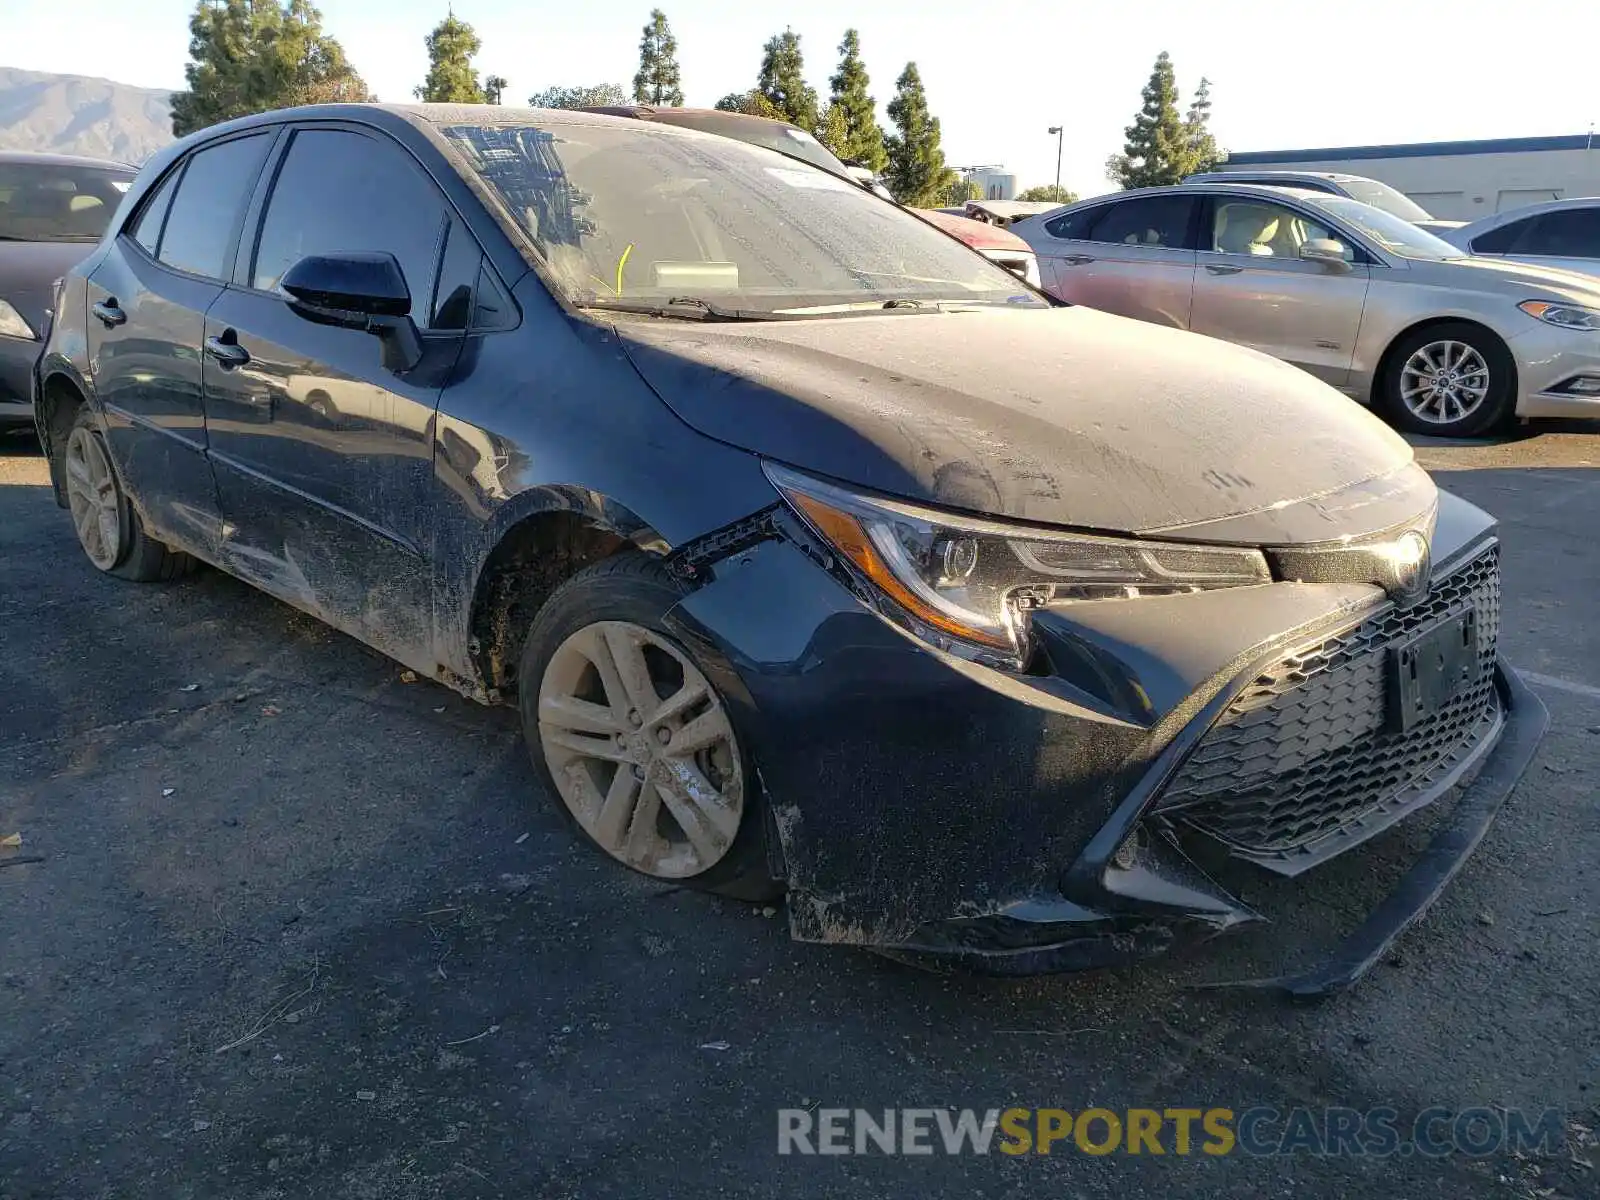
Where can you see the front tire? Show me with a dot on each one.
(1450, 380)
(108, 528)
(633, 740)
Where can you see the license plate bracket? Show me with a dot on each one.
(1430, 668)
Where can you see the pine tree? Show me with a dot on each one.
(494, 88)
(917, 174)
(451, 77)
(861, 137)
(599, 95)
(1201, 146)
(1157, 149)
(657, 80)
(249, 56)
(782, 81)
(751, 103)
(833, 131)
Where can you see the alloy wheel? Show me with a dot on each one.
(1444, 382)
(92, 498)
(641, 750)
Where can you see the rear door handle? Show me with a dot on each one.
(227, 351)
(109, 312)
(1222, 269)
(1077, 260)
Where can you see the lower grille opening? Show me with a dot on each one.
(1304, 763)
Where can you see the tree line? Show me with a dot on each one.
(250, 56)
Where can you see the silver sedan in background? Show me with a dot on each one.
(1438, 341)
(1557, 233)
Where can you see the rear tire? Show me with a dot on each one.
(109, 530)
(637, 748)
(1449, 380)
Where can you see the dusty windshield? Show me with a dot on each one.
(638, 214)
(1389, 231)
(46, 202)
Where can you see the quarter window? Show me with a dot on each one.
(1155, 221)
(210, 197)
(339, 193)
(147, 230)
(1074, 226)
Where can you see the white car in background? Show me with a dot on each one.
(1558, 233)
(1337, 183)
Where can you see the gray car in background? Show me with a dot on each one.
(1336, 183)
(1389, 314)
(53, 209)
(1558, 233)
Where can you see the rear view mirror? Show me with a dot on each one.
(1327, 251)
(358, 291)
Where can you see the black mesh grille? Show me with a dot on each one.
(1304, 761)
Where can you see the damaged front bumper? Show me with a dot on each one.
(1009, 823)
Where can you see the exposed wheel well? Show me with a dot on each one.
(59, 401)
(533, 559)
(1378, 376)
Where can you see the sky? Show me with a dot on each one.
(998, 75)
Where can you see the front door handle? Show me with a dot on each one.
(227, 351)
(1222, 269)
(109, 312)
(1077, 260)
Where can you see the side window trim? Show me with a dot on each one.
(179, 170)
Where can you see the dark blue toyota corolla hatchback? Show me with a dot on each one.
(819, 553)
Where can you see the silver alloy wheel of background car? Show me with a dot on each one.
(641, 750)
(1444, 382)
(93, 499)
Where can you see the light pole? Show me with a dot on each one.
(1056, 129)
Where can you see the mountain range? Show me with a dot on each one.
(78, 114)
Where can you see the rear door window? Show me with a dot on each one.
(198, 236)
(340, 192)
(1152, 221)
(1569, 233)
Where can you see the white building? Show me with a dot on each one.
(997, 183)
(1457, 181)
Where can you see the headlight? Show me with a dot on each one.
(12, 324)
(1567, 316)
(975, 580)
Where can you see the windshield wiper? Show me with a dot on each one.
(687, 308)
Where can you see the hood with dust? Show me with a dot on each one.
(1063, 416)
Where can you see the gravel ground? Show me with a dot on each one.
(304, 929)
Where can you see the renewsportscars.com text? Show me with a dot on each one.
(1261, 1131)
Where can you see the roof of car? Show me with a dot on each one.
(62, 160)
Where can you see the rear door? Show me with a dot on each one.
(1253, 288)
(1132, 257)
(147, 305)
(323, 456)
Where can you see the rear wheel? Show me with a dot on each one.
(110, 532)
(1452, 380)
(633, 738)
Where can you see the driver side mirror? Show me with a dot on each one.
(358, 291)
(1328, 252)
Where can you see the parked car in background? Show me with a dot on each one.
(1006, 212)
(816, 554)
(53, 209)
(1560, 233)
(1009, 251)
(1389, 314)
(1358, 187)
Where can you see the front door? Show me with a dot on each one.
(147, 304)
(1253, 288)
(323, 456)
(1131, 257)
